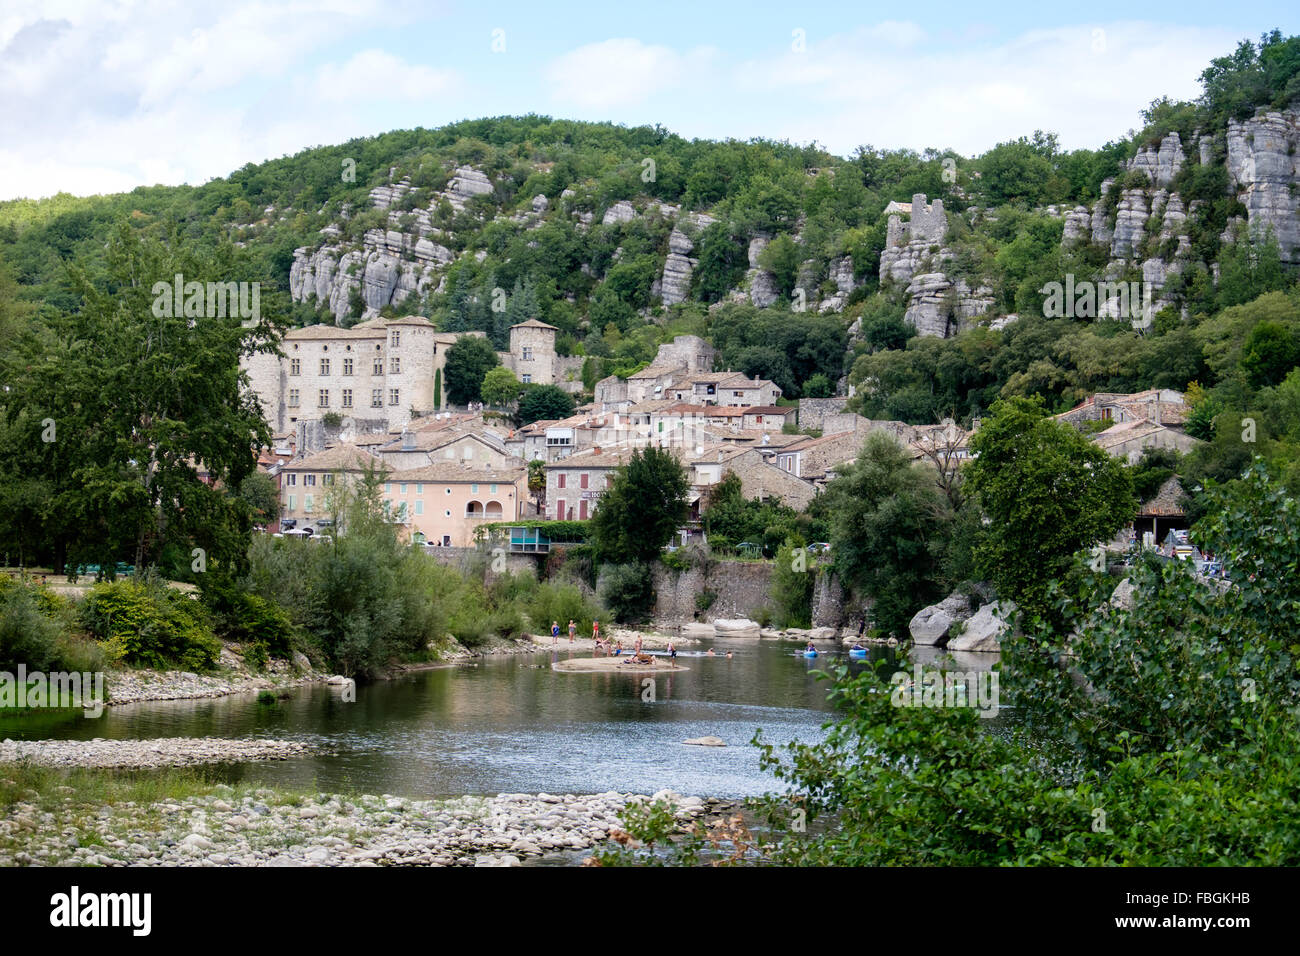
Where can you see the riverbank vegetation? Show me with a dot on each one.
(1156, 732)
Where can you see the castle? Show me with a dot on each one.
(381, 373)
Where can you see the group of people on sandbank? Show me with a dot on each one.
(614, 648)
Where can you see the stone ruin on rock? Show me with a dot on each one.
(914, 257)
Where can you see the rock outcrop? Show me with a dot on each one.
(930, 625)
(982, 633)
(1264, 166)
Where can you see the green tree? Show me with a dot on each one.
(888, 531)
(259, 492)
(641, 509)
(500, 387)
(468, 360)
(1048, 492)
(544, 403)
(793, 578)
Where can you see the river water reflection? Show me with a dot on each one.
(512, 724)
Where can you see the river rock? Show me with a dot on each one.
(736, 627)
(698, 631)
(707, 741)
(984, 630)
(930, 625)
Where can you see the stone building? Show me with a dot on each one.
(378, 373)
(532, 352)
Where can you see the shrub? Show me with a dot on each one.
(26, 635)
(148, 624)
(628, 592)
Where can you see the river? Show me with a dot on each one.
(508, 724)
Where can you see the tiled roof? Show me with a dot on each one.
(339, 457)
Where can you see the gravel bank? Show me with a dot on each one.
(146, 754)
(264, 828)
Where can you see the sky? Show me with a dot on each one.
(107, 95)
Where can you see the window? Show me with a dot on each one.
(347, 398)
(324, 399)
(324, 366)
(307, 503)
(492, 489)
(397, 338)
(293, 502)
(376, 398)
(327, 479)
(394, 365)
(760, 419)
(419, 489)
(528, 353)
(582, 480)
(295, 366)
(447, 513)
(582, 509)
(379, 366)
(293, 398)
(403, 486)
(292, 479)
(527, 378)
(309, 480)
(347, 366)
(394, 396)
(419, 507)
(473, 489)
(561, 481)
(448, 492)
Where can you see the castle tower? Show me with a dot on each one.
(532, 351)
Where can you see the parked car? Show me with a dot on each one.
(819, 547)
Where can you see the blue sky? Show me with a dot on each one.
(105, 95)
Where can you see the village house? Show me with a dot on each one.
(723, 388)
(458, 443)
(759, 478)
(1128, 440)
(442, 504)
(306, 484)
(812, 458)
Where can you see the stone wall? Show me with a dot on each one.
(743, 588)
(813, 411)
(828, 601)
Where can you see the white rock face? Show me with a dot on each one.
(930, 625)
(1161, 163)
(1263, 164)
(1130, 224)
(984, 630)
(1077, 226)
(841, 273)
(465, 184)
(621, 211)
(762, 288)
(675, 282)
(540, 203)
(737, 627)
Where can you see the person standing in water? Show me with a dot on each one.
(573, 629)
(555, 632)
(595, 630)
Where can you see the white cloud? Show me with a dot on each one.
(374, 72)
(622, 72)
(1087, 86)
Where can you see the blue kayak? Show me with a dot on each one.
(857, 652)
(809, 653)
